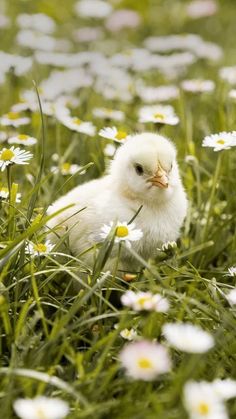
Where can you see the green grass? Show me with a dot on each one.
(59, 343)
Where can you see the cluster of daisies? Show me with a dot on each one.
(146, 360)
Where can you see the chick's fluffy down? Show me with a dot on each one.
(117, 197)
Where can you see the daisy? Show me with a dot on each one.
(158, 114)
(225, 389)
(231, 296)
(22, 139)
(23, 106)
(123, 18)
(188, 337)
(13, 156)
(38, 22)
(222, 141)
(228, 74)
(41, 408)
(232, 271)
(198, 86)
(168, 246)
(124, 232)
(201, 8)
(128, 334)
(14, 119)
(4, 194)
(114, 134)
(93, 8)
(232, 93)
(145, 301)
(66, 168)
(145, 360)
(201, 401)
(39, 249)
(150, 94)
(76, 124)
(106, 113)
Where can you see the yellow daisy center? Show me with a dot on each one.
(159, 116)
(66, 166)
(77, 121)
(144, 363)
(203, 408)
(40, 413)
(142, 300)
(121, 135)
(13, 115)
(41, 248)
(220, 141)
(7, 155)
(23, 137)
(122, 231)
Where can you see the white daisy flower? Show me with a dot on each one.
(145, 301)
(109, 150)
(106, 113)
(76, 124)
(22, 106)
(24, 139)
(232, 271)
(14, 119)
(93, 8)
(231, 296)
(41, 408)
(198, 86)
(39, 249)
(228, 74)
(4, 194)
(188, 337)
(145, 360)
(222, 141)
(158, 114)
(66, 169)
(38, 22)
(128, 334)
(13, 156)
(168, 245)
(201, 8)
(232, 94)
(225, 389)
(202, 402)
(151, 94)
(114, 134)
(124, 232)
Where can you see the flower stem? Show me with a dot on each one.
(9, 181)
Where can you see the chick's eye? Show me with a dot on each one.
(139, 169)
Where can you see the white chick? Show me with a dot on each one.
(144, 172)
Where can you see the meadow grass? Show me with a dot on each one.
(60, 343)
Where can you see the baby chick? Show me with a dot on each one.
(144, 172)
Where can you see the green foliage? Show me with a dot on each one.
(60, 342)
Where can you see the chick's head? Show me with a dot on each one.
(145, 167)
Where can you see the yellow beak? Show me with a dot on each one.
(160, 179)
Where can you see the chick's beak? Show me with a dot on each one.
(160, 179)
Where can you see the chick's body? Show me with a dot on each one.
(132, 182)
